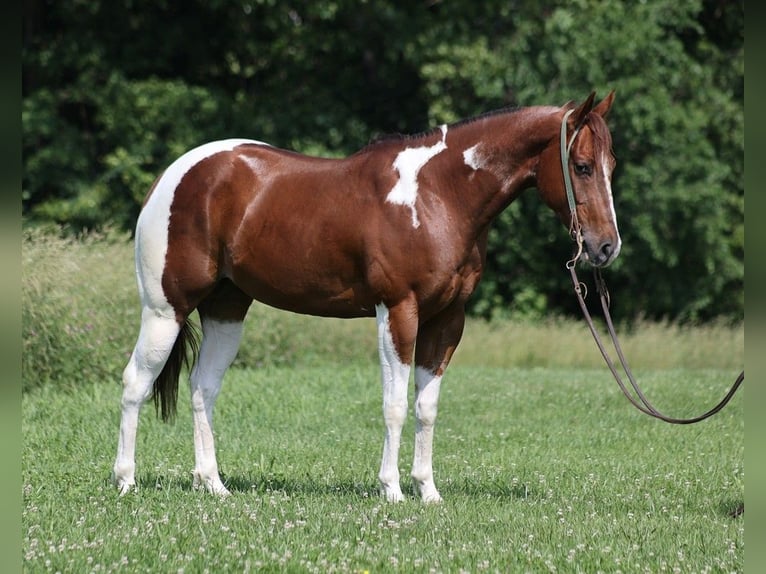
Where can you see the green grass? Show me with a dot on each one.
(541, 469)
(543, 465)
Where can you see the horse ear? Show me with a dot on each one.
(578, 116)
(603, 107)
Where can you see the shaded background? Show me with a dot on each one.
(114, 91)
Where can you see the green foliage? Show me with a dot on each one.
(131, 85)
(678, 185)
(136, 134)
(77, 305)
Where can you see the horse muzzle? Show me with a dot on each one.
(601, 252)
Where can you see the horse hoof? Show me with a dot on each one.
(212, 485)
(434, 498)
(220, 491)
(392, 495)
(427, 490)
(124, 485)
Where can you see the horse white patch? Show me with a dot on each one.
(408, 163)
(608, 185)
(394, 372)
(152, 226)
(472, 158)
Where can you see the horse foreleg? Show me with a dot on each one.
(427, 386)
(395, 373)
(155, 342)
(220, 340)
(436, 342)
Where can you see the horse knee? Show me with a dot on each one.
(395, 413)
(427, 400)
(426, 411)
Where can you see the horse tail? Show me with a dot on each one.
(184, 355)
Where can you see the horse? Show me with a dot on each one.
(396, 231)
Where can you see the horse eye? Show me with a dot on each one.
(582, 169)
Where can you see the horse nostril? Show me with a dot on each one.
(605, 250)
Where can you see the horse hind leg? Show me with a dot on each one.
(160, 336)
(222, 314)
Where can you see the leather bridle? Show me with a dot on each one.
(639, 400)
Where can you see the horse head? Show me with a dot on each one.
(589, 212)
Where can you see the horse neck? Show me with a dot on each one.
(503, 152)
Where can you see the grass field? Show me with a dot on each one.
(541, 470)
(543, 465)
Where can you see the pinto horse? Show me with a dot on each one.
(397, 231)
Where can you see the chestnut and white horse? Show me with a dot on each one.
(397, 231)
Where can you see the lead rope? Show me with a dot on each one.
(642, 403)
(575, 230)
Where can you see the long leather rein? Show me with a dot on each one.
(639, 400)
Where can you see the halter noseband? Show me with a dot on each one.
(575, 230)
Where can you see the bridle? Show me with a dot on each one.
(575, 229)
(639, 401)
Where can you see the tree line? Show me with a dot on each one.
(113, 91)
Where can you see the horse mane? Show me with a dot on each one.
(383, 139)
(597, 123)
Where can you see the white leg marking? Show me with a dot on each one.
(155, 341)
(408, 163)
(427, 386)
(608, 185)
(220, 341)
(395, 376)
(472, 157)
